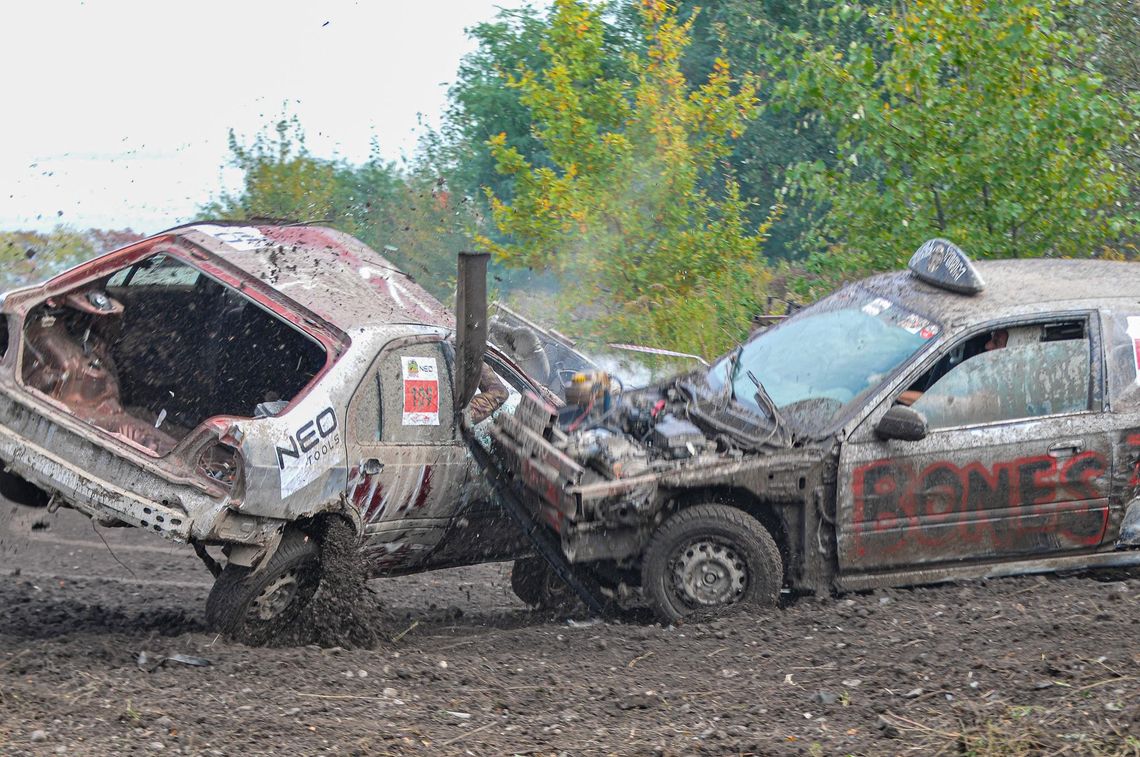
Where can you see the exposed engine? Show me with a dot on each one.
(621, 435)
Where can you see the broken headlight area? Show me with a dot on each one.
(223, 465)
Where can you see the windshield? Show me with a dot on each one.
(827, 357)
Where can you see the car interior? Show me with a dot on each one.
(1015, 372)
(154, 349)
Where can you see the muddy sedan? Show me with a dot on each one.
(953, 420)
(234, 387)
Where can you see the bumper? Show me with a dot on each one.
(99, 496)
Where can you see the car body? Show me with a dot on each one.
(1013, 460)
(219, 384)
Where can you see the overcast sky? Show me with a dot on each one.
(117, 111)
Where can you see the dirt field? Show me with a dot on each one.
(1033, 666)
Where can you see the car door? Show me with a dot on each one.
(1016, 462)
(408, 461)
(483, 531)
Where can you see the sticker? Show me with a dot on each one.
(312, 446)
(421, 391)
(877, 306)
(238, 237)
(914, 324)
(929, 332)
(1134, 333)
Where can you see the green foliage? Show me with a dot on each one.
(743, 31)
(620, 210)
(27, 257)
(1114, 27)
(972, 126)
(482, 107)
(283, 180)
(409, 217)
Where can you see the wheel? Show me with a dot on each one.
(709, 558)
(536, 584)
(255, 606)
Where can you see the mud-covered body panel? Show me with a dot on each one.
(1034, 473)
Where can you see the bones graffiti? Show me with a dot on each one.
(1022, 505)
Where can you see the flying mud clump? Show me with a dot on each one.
(344, 612)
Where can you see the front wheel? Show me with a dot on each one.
(253, 607)
(534, 581)
(537, 585)
(708, 559)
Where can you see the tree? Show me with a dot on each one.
(409, 217)
(27, 257)
(283, 180)
(743, 31)
(972, 127)
(620, 210)
(482, 107)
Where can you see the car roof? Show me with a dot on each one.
(328, 272)
(1017, 287)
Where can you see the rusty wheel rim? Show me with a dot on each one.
(708, 573)
(276, 597)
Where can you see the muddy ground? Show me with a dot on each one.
(1033, 666)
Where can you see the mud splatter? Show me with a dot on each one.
(344, 612)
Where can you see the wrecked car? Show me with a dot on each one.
(954, 420)
(234, 387)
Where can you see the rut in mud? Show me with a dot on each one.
(1029, 665)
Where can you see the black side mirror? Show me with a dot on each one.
(902, 422)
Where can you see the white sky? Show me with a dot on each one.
(117, 111)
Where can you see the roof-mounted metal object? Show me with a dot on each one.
(944, 265)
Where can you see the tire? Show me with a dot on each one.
(537, 585)
(253, 607)
(710, 559)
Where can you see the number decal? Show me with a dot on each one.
(421, 391)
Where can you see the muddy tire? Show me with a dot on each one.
(537, 585)
(711, 559)
(253, 607)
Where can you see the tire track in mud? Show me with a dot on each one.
(1032, 664)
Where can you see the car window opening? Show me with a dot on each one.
(154, 349)
(1023, 371)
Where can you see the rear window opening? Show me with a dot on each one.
(154, 349)
(3, 335)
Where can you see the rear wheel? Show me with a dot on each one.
(253, 607)
(709, 559)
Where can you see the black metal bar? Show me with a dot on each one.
(213, 565)
(539, 535)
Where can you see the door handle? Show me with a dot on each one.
(1067, 448)
(372, 466)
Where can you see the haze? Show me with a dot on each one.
(119, 111)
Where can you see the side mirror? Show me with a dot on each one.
(903, 423)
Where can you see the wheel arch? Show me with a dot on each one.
(314, 526)
(768, 513)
